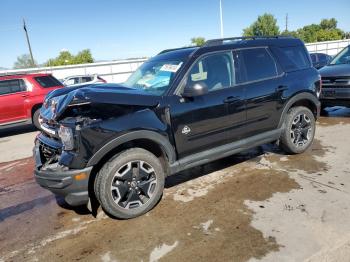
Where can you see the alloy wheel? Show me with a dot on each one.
(133, 184)
(301, 130)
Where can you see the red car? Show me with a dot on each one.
(21, 97)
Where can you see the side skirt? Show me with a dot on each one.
(210, 155)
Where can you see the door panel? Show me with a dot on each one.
(200, 123)
(210, 120)
(261, 77)
(12, 98)
(262, 104)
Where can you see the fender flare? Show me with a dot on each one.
(163, 143)
(301, 96)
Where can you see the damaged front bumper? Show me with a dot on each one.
(72, 184)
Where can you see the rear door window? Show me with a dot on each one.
(47, 81)
(12, 86)
(257, 64)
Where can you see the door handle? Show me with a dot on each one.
(231, 99)
(24, 95)
(281, 88)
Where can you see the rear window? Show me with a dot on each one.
(12, 86)
(47, 81)
(293, 58)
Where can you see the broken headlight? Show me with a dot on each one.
(66, 136)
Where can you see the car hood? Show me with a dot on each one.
(335, 70)
(57, 101)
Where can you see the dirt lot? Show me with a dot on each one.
(259, 205)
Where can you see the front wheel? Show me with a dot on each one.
(130, 184)
(299, 130)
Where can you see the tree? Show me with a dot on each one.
(265, 25)
(83, 57)
(66, 58)
(198, 41)
(24, 61)
(326, 30)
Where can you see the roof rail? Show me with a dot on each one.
(220, 41)
(174, 49)
(14, 73)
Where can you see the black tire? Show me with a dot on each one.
(35, 118)
(130, 183)
(299, 130)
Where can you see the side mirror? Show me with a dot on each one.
(196, 89)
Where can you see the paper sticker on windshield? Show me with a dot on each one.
(170, 68)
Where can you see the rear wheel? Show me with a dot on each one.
(299, 130)
(130, 184)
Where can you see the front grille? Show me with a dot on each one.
(48, 154)
(335, 82)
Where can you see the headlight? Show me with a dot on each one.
(66, 135)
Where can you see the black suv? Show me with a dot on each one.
(182, 108)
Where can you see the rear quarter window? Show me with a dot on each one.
(47, 81)
(292, 58)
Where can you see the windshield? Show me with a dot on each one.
(154, 76)
(342, 58)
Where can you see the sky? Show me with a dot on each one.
(118, 29)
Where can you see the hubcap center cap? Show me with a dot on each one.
(133, 184)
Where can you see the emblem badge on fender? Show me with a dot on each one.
(186, 130)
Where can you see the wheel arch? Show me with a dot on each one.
(34, 108)
(301, 99)
(148, 140)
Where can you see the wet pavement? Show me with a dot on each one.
(258, 205)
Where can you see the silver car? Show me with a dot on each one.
(82, 80)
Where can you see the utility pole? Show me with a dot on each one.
(287, 22)
(28, 42)
(221, 22)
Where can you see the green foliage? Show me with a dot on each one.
(66, 58)
(265, 25)
(24, 61)
(325, 31)
(198, 41)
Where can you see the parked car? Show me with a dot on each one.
(336, 81)
(82, 80)
(182, 108)
(21, 97)
(319, 60)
